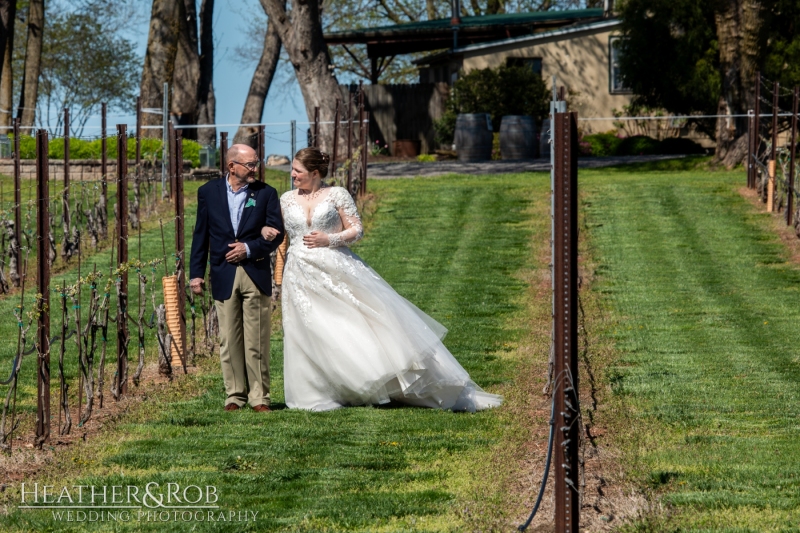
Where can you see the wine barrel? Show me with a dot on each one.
(544, 139)
(517, 137)
(473, 137)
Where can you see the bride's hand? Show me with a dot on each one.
(269, 233)
(316, 239)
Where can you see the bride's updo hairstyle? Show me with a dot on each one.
(314, 159)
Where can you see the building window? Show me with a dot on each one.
(616, 85)
(533, 63)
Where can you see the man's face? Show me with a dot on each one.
(244, 167)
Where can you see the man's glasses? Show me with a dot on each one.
(252, 165)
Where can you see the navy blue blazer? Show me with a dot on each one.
(213, 232)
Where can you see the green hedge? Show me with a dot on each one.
(84, 149)
(608, 144)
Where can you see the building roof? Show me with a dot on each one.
(436, 34)
(566, 32)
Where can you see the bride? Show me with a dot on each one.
(349, 338)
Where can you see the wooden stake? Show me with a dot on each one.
(771, 185)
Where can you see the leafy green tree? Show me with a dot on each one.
(83, 66)
(694, 57)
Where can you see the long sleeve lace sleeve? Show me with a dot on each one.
(353, 230)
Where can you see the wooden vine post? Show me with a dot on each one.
(43, 299)
(773, 158)
(121, 376)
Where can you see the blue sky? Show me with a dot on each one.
(232, 75)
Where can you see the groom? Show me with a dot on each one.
(230, 214)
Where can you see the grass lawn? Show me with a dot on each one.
(455, 246)
(704, 314)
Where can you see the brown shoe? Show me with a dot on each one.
(261, 408)
(232, 407)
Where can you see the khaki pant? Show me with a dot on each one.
(244, 329)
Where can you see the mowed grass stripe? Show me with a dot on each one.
(705, 303)
(357, 469)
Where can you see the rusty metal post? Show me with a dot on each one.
(121, 376)
(775, 88)
(65, 191)
(43, 277)
(223, 153)
(792, 149)
(350, 143)
(260, 152)
(180, 246)
(565, 297)
(171, 157)
(757, 121)
(104, 156)
(18, 201)
(138, 177)
(335, 147)
(365, 144)
(315, 140)
(750, 137)
(361, 137)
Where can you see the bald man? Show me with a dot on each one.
(230, 214)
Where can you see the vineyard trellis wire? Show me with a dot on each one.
(771, 163)
(56, 242)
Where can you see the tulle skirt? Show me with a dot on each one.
(350, 339)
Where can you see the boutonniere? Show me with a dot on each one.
(251, 202)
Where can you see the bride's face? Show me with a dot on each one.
(302, 178)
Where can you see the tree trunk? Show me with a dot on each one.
(259, 86)
(738, 26)
(301, 36)
(33, 66)
(159, 60)
(8, 13)
(206, 105)
(186, 75)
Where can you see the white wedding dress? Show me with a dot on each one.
(349, 338)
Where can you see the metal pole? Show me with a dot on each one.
(179, 245)
(565, 262)
(775, 89)
(260, 152)
(18, 202)
(138, 141)
(294, 138)
(361, 135)
(164, 140)
(171, 160)
(316, 127)
(350, 143)
(43, 277)
(223, 153)
(335, 137)
(104, 158)
(66, 159)
(757, 120)
(121, 376)
(364, 144)
(793, 142)
(772, 165)
(749, 148)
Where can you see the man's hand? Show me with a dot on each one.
(197, 285)
(316, 239)
(237, 252)
(269, 233)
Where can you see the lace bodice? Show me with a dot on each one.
(325, 217)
